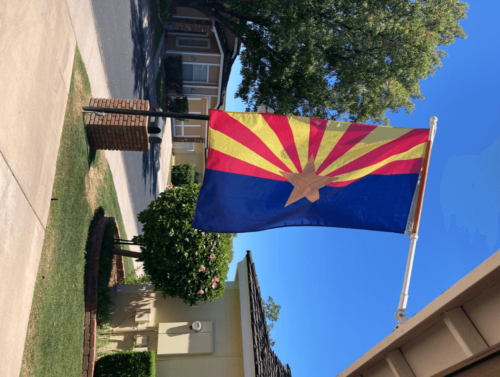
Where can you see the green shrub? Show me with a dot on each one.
(126, 364)
(164, 9)
(182, 261)
(183, 174)
(104, 301)
(173, 74)
(132, 279)
(179, 105)
(160, 89)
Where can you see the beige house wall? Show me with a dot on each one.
(200, 89)
(187, 58)
(382, 369)
(484, 312)
(224, 313)
(213, 74)
(213, 103)
(196, 158)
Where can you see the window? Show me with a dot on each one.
(195, 72)
(192, 42)
(183, 147)
(187, 130)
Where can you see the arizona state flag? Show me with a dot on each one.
(267, 171)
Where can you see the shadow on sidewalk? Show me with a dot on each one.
(140, 51)
(141, 55)
(150, 166)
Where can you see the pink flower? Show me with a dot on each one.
(214, 285)
(200, 292)
(215, 280)
(169, 186)
(202, 269)
(212, 256)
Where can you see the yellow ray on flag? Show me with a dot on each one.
(378, 137)
(333, 133)
(258, 125)
(300, 130)
(223, 143)
(415, 152)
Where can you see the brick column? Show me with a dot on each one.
(119, 132)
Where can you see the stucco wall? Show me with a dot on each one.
(227, 357)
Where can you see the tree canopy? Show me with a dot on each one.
(182, 261)
(272, 311)
(337, 59)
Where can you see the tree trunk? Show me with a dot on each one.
(126, 253)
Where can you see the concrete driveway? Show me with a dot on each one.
(127, 52)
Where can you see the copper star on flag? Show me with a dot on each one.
(306, 184)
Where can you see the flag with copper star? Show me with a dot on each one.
(267, 171)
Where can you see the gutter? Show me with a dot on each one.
(221, 69)
(235, 48)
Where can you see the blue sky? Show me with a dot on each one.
(339, 288)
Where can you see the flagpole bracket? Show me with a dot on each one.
(401, 317)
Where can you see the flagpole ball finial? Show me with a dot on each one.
(433, 126)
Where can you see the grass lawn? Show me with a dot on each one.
(160, 88)
(83, 184)
(156, 26)
(169, 179)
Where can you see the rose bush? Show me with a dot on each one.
(183, 262)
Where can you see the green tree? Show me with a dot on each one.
(272, 311)
(182, 261)
(337, 59)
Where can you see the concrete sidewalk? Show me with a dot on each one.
(37, 45)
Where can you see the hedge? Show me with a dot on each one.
(165, 6)
(178, 105)
(183, 174)
(104, 301)
(174, 84)
(173, 74)
(126, 364)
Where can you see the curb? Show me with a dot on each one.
(91, 280)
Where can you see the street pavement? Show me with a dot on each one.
(37, 45)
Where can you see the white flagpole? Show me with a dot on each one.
(403, 300)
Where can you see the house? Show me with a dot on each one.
(231, 341)
(458, 334)
(208, 50)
